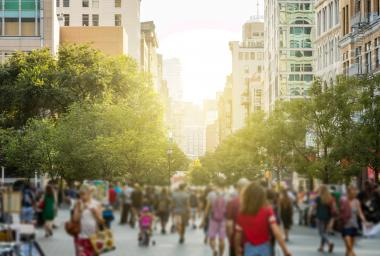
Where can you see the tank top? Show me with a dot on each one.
(353, 221)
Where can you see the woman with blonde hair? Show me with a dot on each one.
(350, 214)
(324, 205)
(88, 212)
(255, 222)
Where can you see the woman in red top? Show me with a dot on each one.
(255, 221)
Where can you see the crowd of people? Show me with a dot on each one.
(253, 218)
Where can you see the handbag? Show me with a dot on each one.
(102, 241)
(72, 227)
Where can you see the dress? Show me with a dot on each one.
(286, 213)
(49, 208)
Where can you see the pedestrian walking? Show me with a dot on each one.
(370, 202)
(126, 204)
(163, 209)
(27, 205)
(48, 210)
(137, 201)
(181, 211)
(324, 205)
(255, 223)
(88, 212)
(216, 209)
(233, 207)
(350, 213)
(286, 213)
(112, 196)
(193, 208)
(205, 216)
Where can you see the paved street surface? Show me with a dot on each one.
(304, 242)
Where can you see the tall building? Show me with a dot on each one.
(151, 61)
(360, 41)
(210, 110)
(26, 25)
(289, 49)
(104, 13)
(328, 32)
(225, 111)
(188, 128)
(172, 72)
(114, 44)
(247, 72)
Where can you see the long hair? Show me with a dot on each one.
(253, 199)
(49, 190)
(285, 202)
(325, 195)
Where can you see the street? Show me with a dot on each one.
(303, 242)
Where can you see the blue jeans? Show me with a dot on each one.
(257, 250)
(322, 230)
(27, 214)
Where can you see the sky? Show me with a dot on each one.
(198, 32)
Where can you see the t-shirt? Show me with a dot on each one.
(218, 208)
(180, 201)
(88, 222)
(27, 198)
(256, 229)
(112, 196)
(126, 195)
(137, 198)
(193, 201)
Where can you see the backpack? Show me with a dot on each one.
(163, 205)
(218, 209)
(193, 201)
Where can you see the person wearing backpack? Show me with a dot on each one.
(216, 209)
(163, 209)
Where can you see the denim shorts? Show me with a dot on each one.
(257, 250)
(27, 214)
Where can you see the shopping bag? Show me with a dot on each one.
(103, 241)
(372, 231)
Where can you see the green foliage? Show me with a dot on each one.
(344, 120)
(81, 116)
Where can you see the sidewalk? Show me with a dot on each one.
(303, 242)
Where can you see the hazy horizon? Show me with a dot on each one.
(199, 37)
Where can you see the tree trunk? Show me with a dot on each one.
(326, 178)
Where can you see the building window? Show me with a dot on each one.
(66, 20)
(252, 55)
(95, 20)
(85, 3)
(117, 19)
(66, 3)
(28, 26)
(118, 3)
(85, 20)
(57, 3)
(11, 27)
(95, 3)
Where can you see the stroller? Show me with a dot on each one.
(146, 223)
